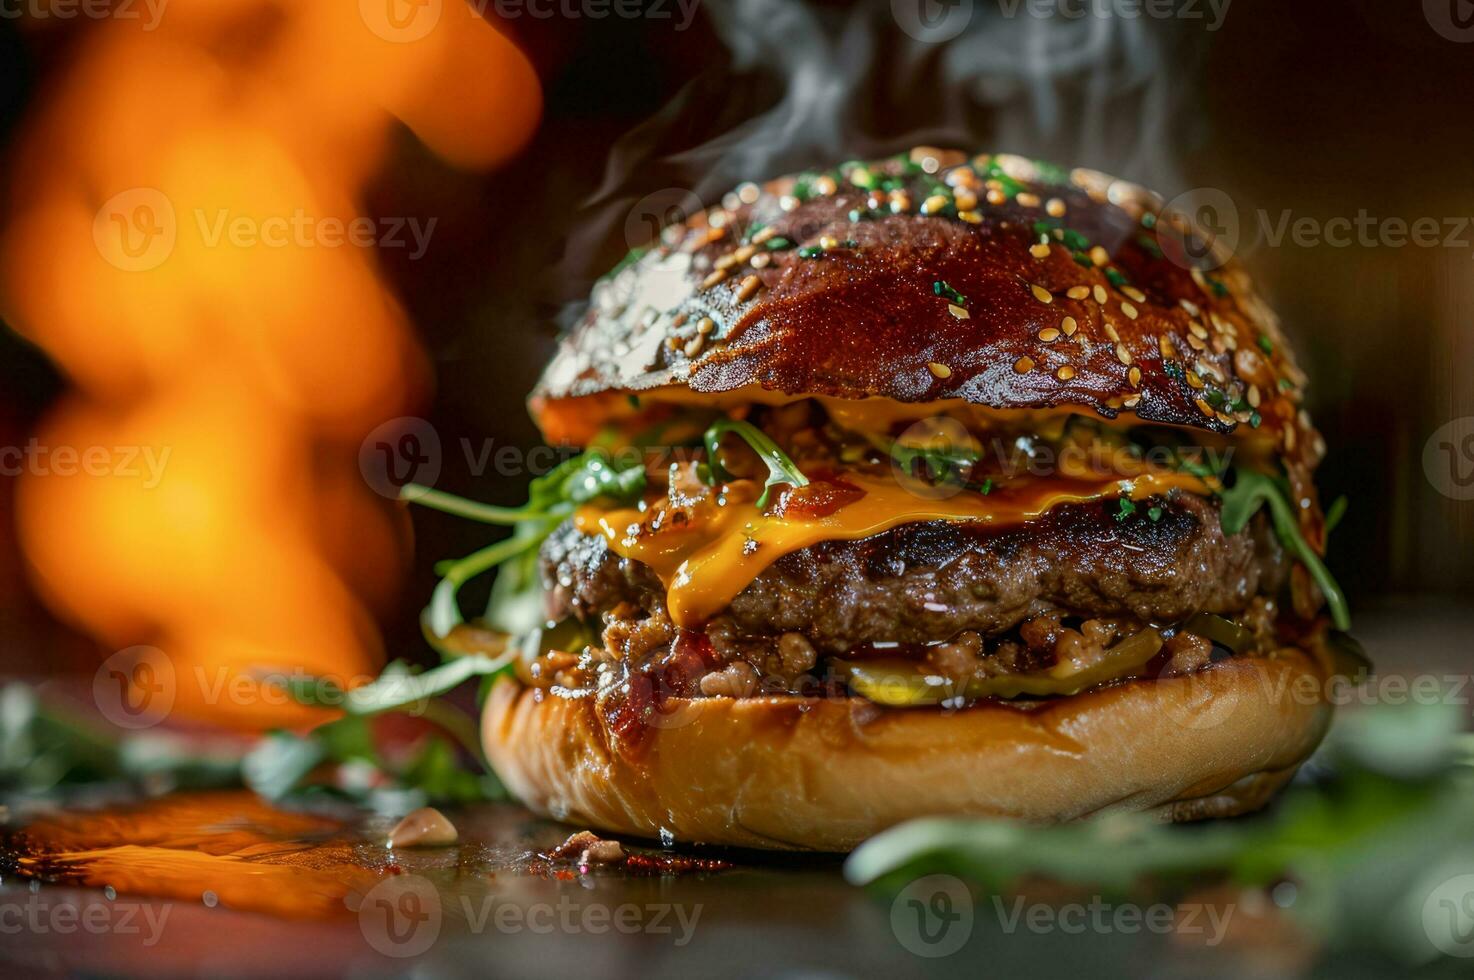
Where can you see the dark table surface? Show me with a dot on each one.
(222, 884)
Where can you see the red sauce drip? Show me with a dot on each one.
(820, 498)
(635, 706)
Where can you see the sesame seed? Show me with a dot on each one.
(1289, 432)
(1122, 354)
(705, 326)
(1065, 372)
(825, 185)
(1254, 396)
(1028, 200)
(745, 252)
(714, 278)
(788, 202)
(725, 262)
(1134, 376)
(1196, 343)
(1110, 332)
(1225, 418)
(971, 217)
(1069, 326)
(933, 204)
(958, 311)
(748, 193)
(1078, 292)
(1190, 306)
(1131, 401)
(1054, 207)
(749, 286)
(1024, 365)
(1040, 293)
(761, 260)
(679, 320)
(1039, 251)
(1168, 351)
(826, 242)
(938, 369)
(900, 202)
(995, 196)
(962, 177)
(1204, 407)
(1134, 293)
(764, 235)
(1197, 329)
(1129, 310)
(672, 341)
(1049, 334)
(1100, 256)
(1195, 381)
(693, 347)
(966, 200)
(1100, 294)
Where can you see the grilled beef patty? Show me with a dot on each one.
(929, 581)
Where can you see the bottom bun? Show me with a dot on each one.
(824, 774)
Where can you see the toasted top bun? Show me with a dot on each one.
(1076, 291)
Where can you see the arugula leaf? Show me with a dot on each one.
(551, 498)
(781, 469)
(396, 689)
(1252, 490)
(444, 613)
(449, 503)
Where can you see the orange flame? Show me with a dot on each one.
(186, 245)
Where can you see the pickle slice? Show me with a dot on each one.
(906, 684)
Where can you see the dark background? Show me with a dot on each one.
(1323, 108)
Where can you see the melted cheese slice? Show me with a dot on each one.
(708, 558)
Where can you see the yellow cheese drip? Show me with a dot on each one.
(706, 560)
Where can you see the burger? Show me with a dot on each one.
(945, 484)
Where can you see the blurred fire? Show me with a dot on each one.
(174, 249)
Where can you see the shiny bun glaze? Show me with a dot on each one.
(851, 310)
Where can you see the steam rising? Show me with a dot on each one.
(1094, 90)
